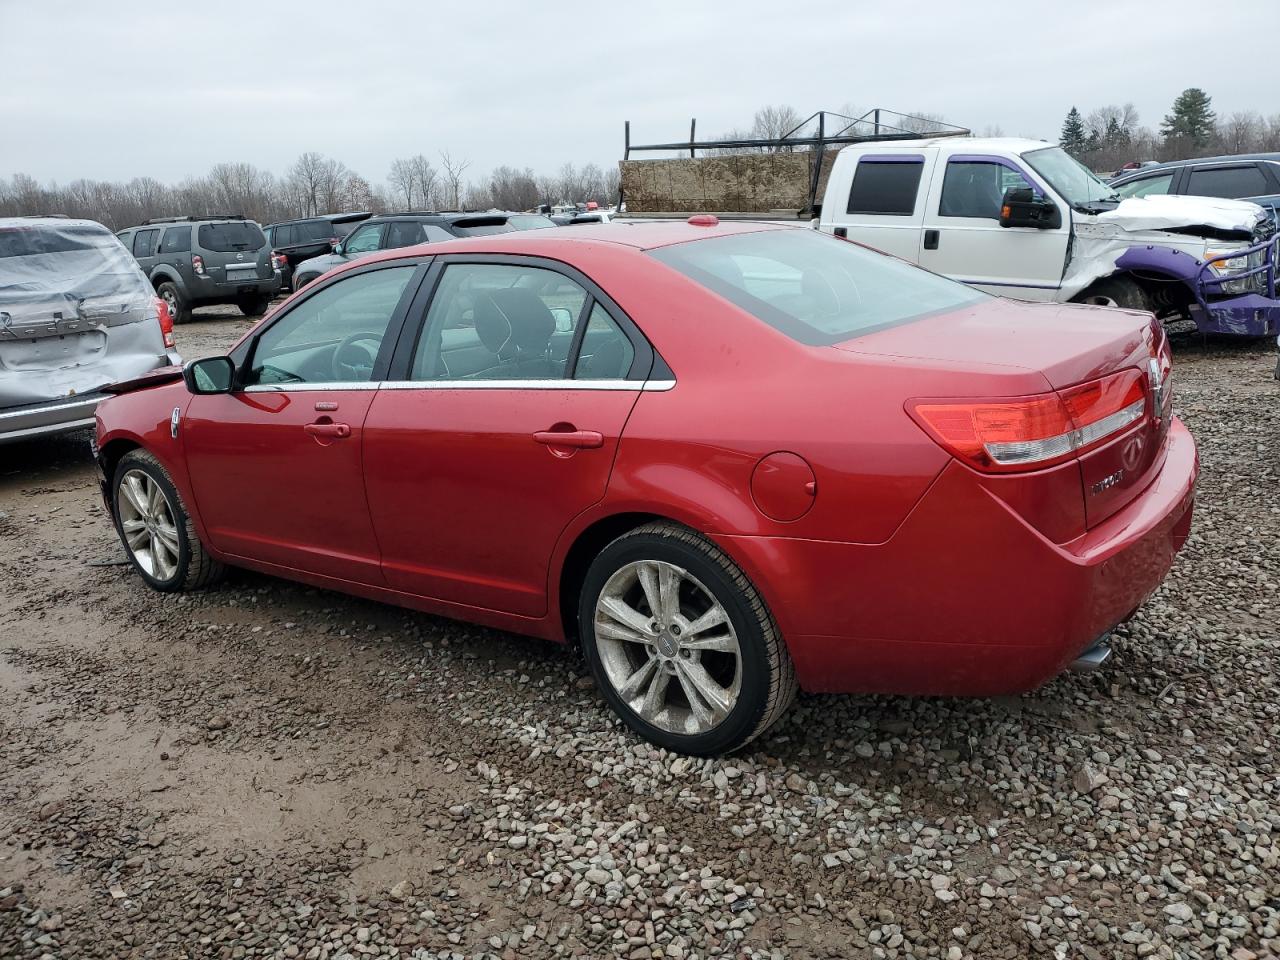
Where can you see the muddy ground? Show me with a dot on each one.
(268, 770)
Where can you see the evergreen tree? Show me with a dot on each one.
(1192, 117)
(1072, 139)
(1116, 135)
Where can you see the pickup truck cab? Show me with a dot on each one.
(1021, 218)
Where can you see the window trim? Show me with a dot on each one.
(243, 353)
(646, 363)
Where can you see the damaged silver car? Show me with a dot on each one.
(76, 315)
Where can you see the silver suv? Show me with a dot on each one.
(76, 314)
(198, 261)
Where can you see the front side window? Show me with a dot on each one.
(144, 242)
(491, 321)
(886, 186)
(976, 189)
(233, 236)
(812, 287)
(364, 240)
(176, 240)
(1229, 183)
(334, 335)
(1156, 186)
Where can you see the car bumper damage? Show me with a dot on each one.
(991, 604)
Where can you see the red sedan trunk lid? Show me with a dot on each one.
(1067, 345)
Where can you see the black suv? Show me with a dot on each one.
(296, 240)
(391, 230)
(197, 261)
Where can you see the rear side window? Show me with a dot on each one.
(404, 233)
(313, 230)
(282, 235)
(231, 237)
(144, 242)
(1230, 183)
(176, 240)
(886, 186)
(812, 287)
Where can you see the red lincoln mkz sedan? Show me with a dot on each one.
(726, 459)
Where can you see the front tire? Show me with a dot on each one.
(155, 528)
(1118, 292)
(301, 281)
(681, 643)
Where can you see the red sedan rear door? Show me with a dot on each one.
(497, 428)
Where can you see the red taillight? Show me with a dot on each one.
(278, 260)
(197, 263)
(1005, 435)
(166, 322)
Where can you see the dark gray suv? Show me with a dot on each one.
(197, 261)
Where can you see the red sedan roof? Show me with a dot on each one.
(639, 235)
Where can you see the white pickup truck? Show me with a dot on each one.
(1015, 217)
(1022, 218)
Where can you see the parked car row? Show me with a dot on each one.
(1253, 177)
(297, 240)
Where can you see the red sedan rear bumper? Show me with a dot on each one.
(967, 598)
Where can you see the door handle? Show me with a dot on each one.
(931, 239)
(579, 439)
(338, 430)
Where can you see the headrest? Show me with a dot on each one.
(513, 319)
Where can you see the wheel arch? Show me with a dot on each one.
(165, 275)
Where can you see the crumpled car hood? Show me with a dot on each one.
(1179, 213)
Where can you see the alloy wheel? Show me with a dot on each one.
(668, 647)
(171, 301)
(147, 522)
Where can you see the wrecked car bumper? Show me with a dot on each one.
(45, 419)
(1250, 315)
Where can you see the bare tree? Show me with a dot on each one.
(307, 177)
(424, 176)
(453, 171)
(401, 180)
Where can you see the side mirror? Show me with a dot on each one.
(1022, 208)
(564, 319)
(337, 247)
(210, 375)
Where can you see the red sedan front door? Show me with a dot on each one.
(276, 467)
(504, 430)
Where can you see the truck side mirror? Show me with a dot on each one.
(1022, 208)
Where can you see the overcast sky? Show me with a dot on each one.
(113, 89)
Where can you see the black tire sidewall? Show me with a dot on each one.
(253, 306)
(182, 309)
(130, 462)
(744, 718)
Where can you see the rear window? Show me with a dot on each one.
(531, 221)
(27, 241)
(230, 237)
(481, 226)
(812, 287)
(314, 230)
(886, 186)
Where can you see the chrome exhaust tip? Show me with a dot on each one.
(1093, 658)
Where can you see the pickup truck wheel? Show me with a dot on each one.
(253, 306)
(1118, 292)
(680, 642)
(179, 309)
(156, 530)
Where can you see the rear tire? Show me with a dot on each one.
(179, 309)
(253, 306)
(654, 672)
(1118, 292)
(155, 528)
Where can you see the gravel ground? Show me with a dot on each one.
(271, 770)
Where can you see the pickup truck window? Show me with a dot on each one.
(975, 188)
(886, 185)
(812, 287)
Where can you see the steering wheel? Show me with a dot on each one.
(359, 366)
